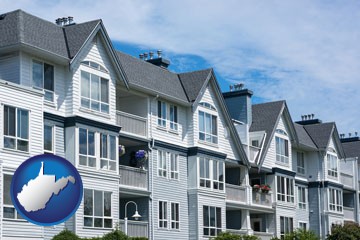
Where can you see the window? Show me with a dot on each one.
(218, 175)
(94, 92)
(303, 225)
(255, 143)
(9, 210)
(205, 173)
(94, 65)
(174, 166)
(162, 114)
(173, 118)
(282, 150)
(211, 220)
(43, 77)
(48, 139)
(335, 200)
(285, 189)
(302, 197)
(163, 220)
(332, 165)
(16, 128)
(300, 163)
(211, 174)
(208, 127)
(108, 152)
(97, 209)
(87, 148)
(207, 105)
(162, 165)
(175, 218)
(286, 226)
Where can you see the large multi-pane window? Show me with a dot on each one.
(43, 77)
(87, 148)
(285, 189)
(97, 209)
(9, 211)
(94, 92)
(332, 165)
(211, 173)
(48, 138)
(161, 113)
(211, 221)
(163, 218)
(108, 152)
(300, 163)
(16, 128)
(282, 150)
(335, 200)
(286, 226)
(302, 197)
(175, 216)
(162, 164)
(174, 166)
(208, 127)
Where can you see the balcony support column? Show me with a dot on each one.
(245, 221)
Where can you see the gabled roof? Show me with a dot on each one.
(77, 34)
(352, 149)
(265, 117)
(147, 76)
(193, 82)
(321, 135)
(304, 138)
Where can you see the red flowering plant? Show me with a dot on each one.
(265, 188)
(256, 187)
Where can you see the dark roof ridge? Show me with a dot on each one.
(277, 101)
(205, 69)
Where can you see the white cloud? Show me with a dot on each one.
(306, 52)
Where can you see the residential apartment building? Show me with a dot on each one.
(169, 145)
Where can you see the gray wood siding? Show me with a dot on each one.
(170, 190)
(10, 68)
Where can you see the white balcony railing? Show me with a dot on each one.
(262, 199)
(264, 235)
(347, 180)
(349, 213)
(133, 177)
(135, 228)
(132, 124)
(236, 193)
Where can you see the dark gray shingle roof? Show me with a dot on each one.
(19, 27)
(193, 82)
(352, 149)
(265, 116)
(304, 138)
(320, 133)
(157, 79)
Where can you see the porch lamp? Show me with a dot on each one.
(136, 215)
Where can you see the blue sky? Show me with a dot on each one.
(306, 52)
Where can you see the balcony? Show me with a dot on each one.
(132, 124)
(236, 193)
(347, 180)
(262, 199)
(135, 228)
(131, 177)
(349, 214)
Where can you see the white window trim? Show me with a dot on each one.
(286, 194)
(303, 222)
(108, 159)
(165, 218)
(216, 137)
(286, 230)
(212, 227)
(301, 205)
(176, 172)
(211, 172)
(280, 158)
(53, 138)
(164, 122)
(330, 173)
(174, 221)
(336, 205)
(162, 172)
(303, 169)
(9, 205)
(45, 90)
(16, 129)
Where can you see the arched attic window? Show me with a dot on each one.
(208, 106)
(94, 65)
(280, 131)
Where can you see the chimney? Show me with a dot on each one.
(159, 61)
(343, 139)
(58, 21)
(70, 20)
(145, 56)
(141, 56)
(64, 20)
(238, 102)
(308, 119)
